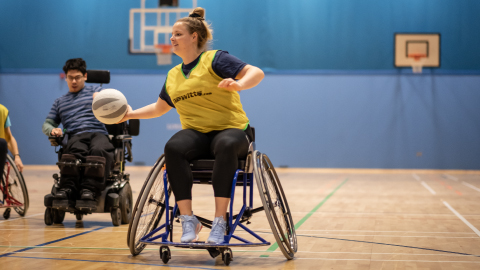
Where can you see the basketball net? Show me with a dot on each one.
(164, 54)
(417, 63)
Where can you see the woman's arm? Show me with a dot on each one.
(13, 147)
(153, 110)
(250, 76)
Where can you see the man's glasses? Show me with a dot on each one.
(76, 78)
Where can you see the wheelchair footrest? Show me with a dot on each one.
(64, 205)
(86, 205)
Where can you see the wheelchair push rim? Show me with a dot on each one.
(15, 188)
(149, 208)
(275, 205)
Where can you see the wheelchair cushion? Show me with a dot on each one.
(207, 164)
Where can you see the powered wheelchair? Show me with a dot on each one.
(153, 216)
(116, 198)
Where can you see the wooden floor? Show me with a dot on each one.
(345, 219)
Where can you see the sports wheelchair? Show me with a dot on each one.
(116, 198)
(153, 215)
(14, 190)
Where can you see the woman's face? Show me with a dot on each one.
(182, 40)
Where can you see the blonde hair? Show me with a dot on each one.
(195, 22)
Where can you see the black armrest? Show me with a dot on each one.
(134, 127)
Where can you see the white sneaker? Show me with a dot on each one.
(191, 228)
(217, 234)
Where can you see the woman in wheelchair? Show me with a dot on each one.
(204, 90)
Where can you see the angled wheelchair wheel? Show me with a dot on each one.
(149, 208)
(275, 205)
(126, 203)
(16, 187)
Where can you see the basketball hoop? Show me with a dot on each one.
(418, 60)
(164, 54)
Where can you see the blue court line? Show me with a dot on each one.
(95, 261)
(51, 242)
(394, 245)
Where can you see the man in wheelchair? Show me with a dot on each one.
(85, 139)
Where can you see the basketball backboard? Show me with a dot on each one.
(151, 25)
(417, 50)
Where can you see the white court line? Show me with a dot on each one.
(20, 218)
(416, 177)
(429, 188)
(462, 218)
(451, 177)
(331, 259)
(471, 186)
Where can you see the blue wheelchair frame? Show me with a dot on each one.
(232, 225)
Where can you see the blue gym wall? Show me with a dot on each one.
(331, 96)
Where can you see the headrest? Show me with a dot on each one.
(98, 76)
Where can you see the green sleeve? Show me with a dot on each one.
(48, 126)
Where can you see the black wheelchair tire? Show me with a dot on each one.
(58, 216)
(133, 237)
(272, 196)
(19, 182)
(116, 215)
(126, 203)
(48, 217)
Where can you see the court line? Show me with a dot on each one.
(115, 262)
(462, 218)
(51, 242)
(20, 218)
(451, 177)
(416, 177)
(275, 245)
(394, 245)
(471, 186)
(428, 187)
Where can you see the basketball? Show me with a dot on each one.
(109, 106)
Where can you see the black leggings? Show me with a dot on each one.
(226, 146)
(3, 155)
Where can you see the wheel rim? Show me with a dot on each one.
(16, 186)
(151, 205)
(275, 205)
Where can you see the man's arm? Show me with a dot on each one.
(13, 147)
(50, 125)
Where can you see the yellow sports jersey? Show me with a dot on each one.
(203, 106)
(3, 118)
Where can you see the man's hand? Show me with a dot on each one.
(18, 163)
(56, 132)
(230, 84)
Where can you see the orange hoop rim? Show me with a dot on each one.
(417, 56)
(164, 48)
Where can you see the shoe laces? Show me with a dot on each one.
(218, 227)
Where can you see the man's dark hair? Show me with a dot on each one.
(75, 63)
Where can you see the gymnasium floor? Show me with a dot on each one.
(345, 219)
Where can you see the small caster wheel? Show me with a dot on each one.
(58, 216)
(227, 256)
(116, 216)
(79, 216)
(165, 254)
(48, 218)
(6, 214)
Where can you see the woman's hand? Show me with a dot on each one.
(126, 116)
(230, 84)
